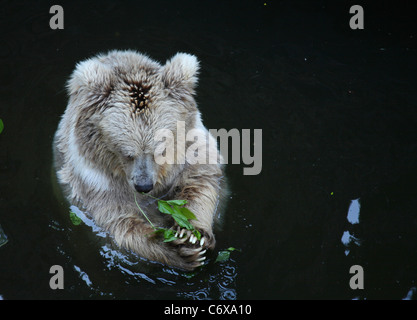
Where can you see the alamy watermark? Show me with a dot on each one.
(57, 280)
(357, 280)
(57, 20)
(356, 21)
(199, 146)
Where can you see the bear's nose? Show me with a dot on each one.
(143, 188)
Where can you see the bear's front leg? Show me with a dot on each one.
(201, 188)
(137, 235)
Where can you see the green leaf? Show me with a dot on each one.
(1, 125)
(159, 231)
(74, 218)
(180, 214)
(222, 256)
(197, 234)
(182, 221)
(169, 235)
(170, 239)
(187, 213)
(225, 254)
(164, 207)
(189, 275)
(177, 202)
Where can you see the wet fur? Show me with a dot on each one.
(102, 130)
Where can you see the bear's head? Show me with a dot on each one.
(122, 101)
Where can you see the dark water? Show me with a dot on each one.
(338, 112)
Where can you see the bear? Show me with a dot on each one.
(105, 145)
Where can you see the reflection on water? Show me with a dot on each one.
(84, 277)
(3, 237)
(353, 212)
(411, 295)
(220, 285)
(349, 239)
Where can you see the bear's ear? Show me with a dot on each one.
(180, 73)
(90, 74)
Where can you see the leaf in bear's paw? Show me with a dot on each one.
(180, 214)
(187, 213)
(159, 231)
(176, 202)
(197, 234)
(182, 221)
(180, 218)
(169, 235)
(1, 125)
(165, 207)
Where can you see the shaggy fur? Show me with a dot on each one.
(104, 149)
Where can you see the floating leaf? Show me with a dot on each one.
(74, 218)
(189, 275)
(1, 125)
(222, 256)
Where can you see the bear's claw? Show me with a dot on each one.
(189, 247)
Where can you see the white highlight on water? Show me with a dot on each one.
(353, 212)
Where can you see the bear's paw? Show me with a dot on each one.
(190, 248)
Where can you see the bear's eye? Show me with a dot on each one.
(129, 157)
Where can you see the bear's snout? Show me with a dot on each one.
(144, 187)
(143, 173)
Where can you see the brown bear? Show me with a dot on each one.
(105, 148)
